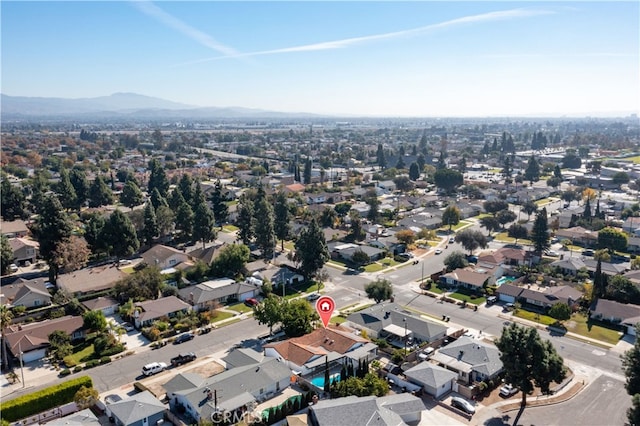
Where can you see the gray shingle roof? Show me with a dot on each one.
(481, 357)
(354, 411)
(137, 407)
(430, 374)
(376, 318)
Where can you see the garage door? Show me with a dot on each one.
(444, 389)
(34, 355)
(506, 298)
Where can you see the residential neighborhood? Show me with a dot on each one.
(441, 247)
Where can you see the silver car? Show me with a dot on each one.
(463, 404)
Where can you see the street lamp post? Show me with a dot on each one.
(404, 320)
(21, 364)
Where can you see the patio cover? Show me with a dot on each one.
(397, 330)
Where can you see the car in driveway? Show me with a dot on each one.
(154, 368)
(425, 354)
(313, 296)
(438, 251)
(185, 337)
(252, 301)
(128, 327)
(508, 390)
(463, 405)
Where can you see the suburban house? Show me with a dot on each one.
(24, 250)
(472, 360)
(15, 228)
(107, 304)
(627, 315)
(209, 294)
(544, 299)
(608, 268)
(240, 357)
(309, 353)
(434, 380)
(578, 235)
(374, 253)
(33, 339)
(90, 280)
(141, 409)
(284, 274)
(387, 186)
(237, 389)
(505, 256)
(79, 418)
(148, 311)
(27, 293)
(164, 257)
(474, 278)
(389, 320)
(390, 410)
(206, 254)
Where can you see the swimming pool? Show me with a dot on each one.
(504, 280)
(319, 381)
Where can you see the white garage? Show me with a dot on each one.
(435, 380)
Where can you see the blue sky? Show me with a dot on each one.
(418, 58)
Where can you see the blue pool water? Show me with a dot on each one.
(504, 280)
(319, 381)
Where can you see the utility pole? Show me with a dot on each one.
(21, 364)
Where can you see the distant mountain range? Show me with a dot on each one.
(124, 105)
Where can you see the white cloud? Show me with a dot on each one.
(345, 43)
(150, 9)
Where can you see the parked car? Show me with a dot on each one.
(438, 251)
(509, 306)
(13, 268)
(552, 253)
(472, 259)
(588, 252)
(491, 300)
(313, 296)
(154, 368)
(128, 327)
(183, 359)
(185, 337)
(508, 390)
(452, 240)
(426, 353)
(252, 301)
(463, 404)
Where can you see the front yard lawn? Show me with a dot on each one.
(505, 238)
(229, 228)
(534, 316)
(85, 352)
(239, 307)
(475, 300)
(222, 316)
(581, 325)
(373, 267)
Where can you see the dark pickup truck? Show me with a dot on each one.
(183, 359)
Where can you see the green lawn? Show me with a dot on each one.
(128, 270)
(229, 228)
(532, 316)
(435, 289)
(289, 245)
(477, 300)
(222, 316)
(373, 267)
(543, 202)
(503, 237)
(85, 353)
(337, 320)
(581, 325)
(239, 307)
(483, 215)
(388, 262)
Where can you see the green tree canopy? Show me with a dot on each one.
(99, 193)
(451, 216)
(490, 223)
(560, 311)
(246, 220)
(360, 258)
(455, 260)
(282, 218)
(532, 172)
(94, 320)
(131, 195)
(231, 261)
(448, 179)
(298, 318)
(528, 360)
(517, 231)
(270, 311)
(540, 232)
(120, 235)
(471, 239)
(13, 203)
(218, 204)
(264, 225)
(203, 222)
(495, 206)
(612, 238)
(6, 255)
(311, 250)
(379, 290)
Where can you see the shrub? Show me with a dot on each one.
(69, 361)
(115, 349)
(92, 363)
(43, 400)
(65, 372)
(140, 387)
(105, 360)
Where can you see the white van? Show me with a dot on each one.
(491, 300)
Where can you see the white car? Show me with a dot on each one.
(508, 390)
(154, 368)
(425, 353)
(13, 268)
(438, 251)
(463, 404)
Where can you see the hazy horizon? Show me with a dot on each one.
(370, 59)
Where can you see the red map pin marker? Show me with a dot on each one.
(325, 307)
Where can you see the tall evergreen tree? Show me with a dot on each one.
(532, 172)
(311, 250)
(120, 234)
(218, 204)
(157, 200)
(99, 193)
(131, 194)
(204, 222)
(184, 220)
(65, 190)
(51, 228)
(185, 188)
(307, 171)
(158, 178)
(414, 171)
(540, 232)
(246, 220)
(264, 225)
(282, 218)
(587, 209)
(78, 179)
(151, 229)
(12, 202)
(380, 158)
(374, 205)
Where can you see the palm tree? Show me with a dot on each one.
(5, 319)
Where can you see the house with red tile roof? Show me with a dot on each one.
(334, 344)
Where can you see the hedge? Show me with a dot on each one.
(43, 400)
